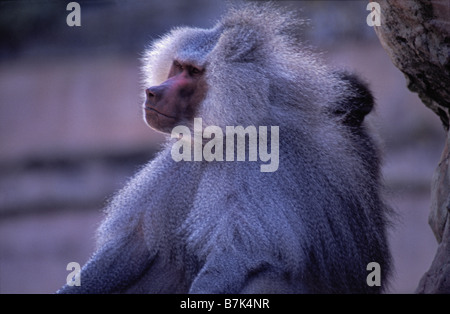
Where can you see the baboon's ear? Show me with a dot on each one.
(239, 44)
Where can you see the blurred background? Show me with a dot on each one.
(71, 131)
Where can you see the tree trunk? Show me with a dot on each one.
(416, 35)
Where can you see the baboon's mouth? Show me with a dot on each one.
(158, 112)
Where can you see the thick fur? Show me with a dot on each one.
(312, 226)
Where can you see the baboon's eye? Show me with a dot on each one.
(177, 65)
(195, 70)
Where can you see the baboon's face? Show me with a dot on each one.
(176, 99)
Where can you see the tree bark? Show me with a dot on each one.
(416, 36)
